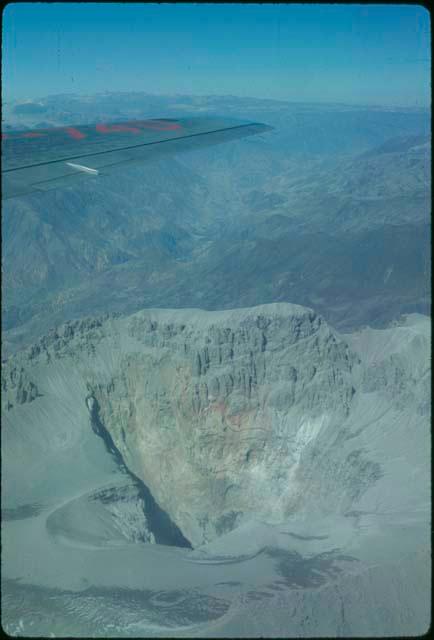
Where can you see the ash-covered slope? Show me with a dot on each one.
(218, 404)
(271, 441)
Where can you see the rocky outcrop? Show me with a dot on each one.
(231, 414)
(17, 388)
(294, 460)
(211, 410)
(220, 405)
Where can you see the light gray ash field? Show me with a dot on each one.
(257, 463)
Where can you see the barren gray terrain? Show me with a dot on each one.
(216, 381)
(235, 473)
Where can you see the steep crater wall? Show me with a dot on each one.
(214, 409)
(225, 416)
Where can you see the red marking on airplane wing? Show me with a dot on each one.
(136, 125)
(26, 134)
(113, 128)
(75, 133)
(132, 127)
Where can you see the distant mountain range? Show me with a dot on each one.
(330, 210)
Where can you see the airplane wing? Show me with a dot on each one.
(43, 159)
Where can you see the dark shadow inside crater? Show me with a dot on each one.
(164, 529)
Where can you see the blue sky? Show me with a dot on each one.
(365, 54)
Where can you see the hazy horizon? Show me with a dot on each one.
(36, 99)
